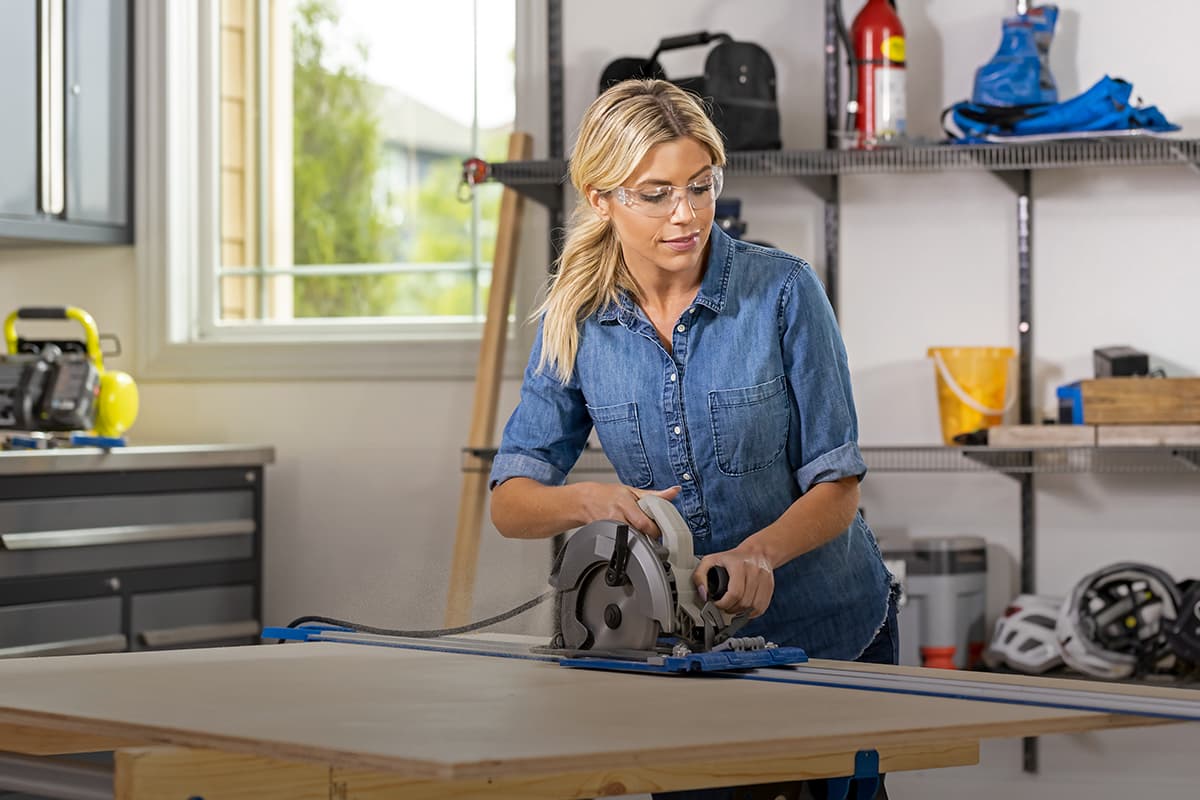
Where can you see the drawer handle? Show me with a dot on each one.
(194, 634)
(113, 643)
(123, 534)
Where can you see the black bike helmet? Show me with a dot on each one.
(1113, 623)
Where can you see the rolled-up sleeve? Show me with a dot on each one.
(547, 431)
(817, 370)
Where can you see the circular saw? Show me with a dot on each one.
(626, 595)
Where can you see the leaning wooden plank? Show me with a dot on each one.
(1042, 436)
(473, 495)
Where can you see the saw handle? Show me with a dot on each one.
(717, 582)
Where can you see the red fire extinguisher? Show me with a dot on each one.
(878, 40)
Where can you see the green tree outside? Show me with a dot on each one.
(338, 151)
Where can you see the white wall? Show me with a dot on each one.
(361, 505)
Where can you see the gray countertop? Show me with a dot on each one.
(94, 459)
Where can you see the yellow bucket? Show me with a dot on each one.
(972, 387)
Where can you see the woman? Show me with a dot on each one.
(714, 375)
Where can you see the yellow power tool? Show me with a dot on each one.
(115, 400)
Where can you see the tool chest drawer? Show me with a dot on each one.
(72, 534)
(208, 616)
(62, 628)
(140, 548)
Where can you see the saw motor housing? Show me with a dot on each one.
(620, 590)
(48, 391)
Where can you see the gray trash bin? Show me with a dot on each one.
(945, 587)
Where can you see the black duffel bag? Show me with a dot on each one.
(738, 86)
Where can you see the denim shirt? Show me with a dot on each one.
(750, 409)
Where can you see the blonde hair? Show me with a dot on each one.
(616, 132)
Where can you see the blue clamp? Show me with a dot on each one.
(303, 633)
(865, 778)
(18, 442)
(711, 661)
(103, 442)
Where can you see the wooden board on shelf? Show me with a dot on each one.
(1042, 436)
(1148, 435)
(1141, 401)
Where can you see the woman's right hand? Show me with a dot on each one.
(619, 503)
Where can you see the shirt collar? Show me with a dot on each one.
(713, 286)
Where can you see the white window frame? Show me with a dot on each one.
(177, 223)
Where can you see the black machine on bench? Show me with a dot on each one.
(54, 386)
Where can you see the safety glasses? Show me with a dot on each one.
(661, 201)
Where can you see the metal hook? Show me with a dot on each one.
(475, 171)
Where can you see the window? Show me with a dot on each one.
(344, 124)
(300, 188)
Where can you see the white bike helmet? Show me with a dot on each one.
(1023, 639)
(1112, 624)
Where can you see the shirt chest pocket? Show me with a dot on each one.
(621, 437)
(750, 425)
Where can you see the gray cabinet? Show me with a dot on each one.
(65, 78)
(19, 99)
(137, 549)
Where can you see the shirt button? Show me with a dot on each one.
(687, 476)
(692, 310)
(673, 376)
(681, 328)
(678, 430)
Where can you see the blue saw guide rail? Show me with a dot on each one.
(692, 663)
(1074, 695)
(716, 661)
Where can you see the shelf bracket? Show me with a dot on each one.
(548, 196)
(1013, 463)
(820, 185)
(1189, 457)
(1013, 179)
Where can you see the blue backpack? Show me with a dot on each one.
(1104, 107)
(1015, 93)
(1019, 74)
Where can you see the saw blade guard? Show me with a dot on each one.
(589, 549)
(677, 539)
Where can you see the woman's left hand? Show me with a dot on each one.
(751, 580)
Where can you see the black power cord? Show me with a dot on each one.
(424, 634)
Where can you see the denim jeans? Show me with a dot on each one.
(884, 649)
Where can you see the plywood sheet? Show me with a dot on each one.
(438, 715)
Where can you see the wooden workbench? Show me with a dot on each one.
(326, 720)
